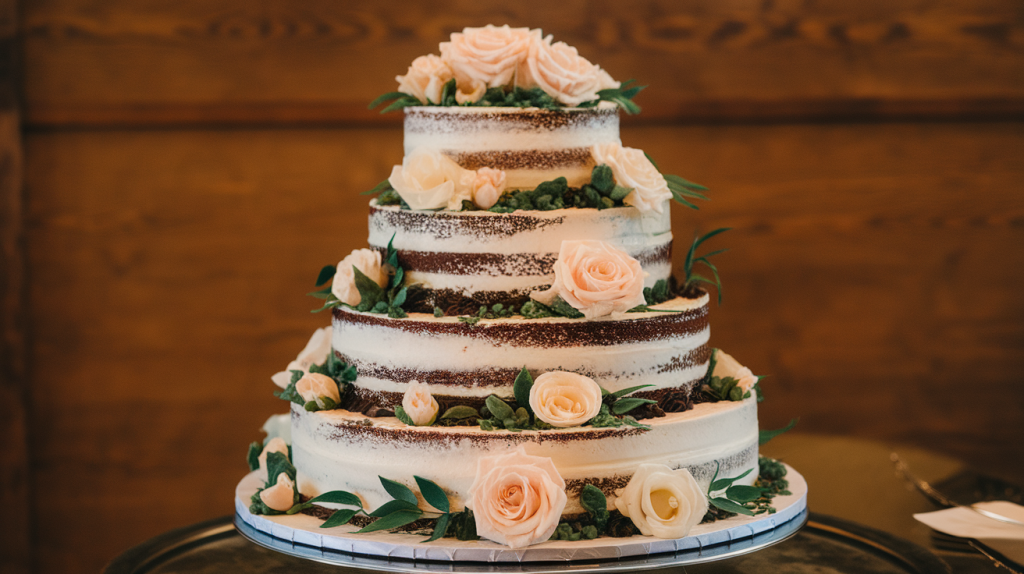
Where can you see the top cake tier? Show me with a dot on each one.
(530, 145)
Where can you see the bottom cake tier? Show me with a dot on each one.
(342, 450)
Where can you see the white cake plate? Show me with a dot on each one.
(300, 535)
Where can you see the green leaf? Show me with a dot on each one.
(339, 518)
(326, 274)
(742, 493)
(394, 506)
(321, 293)
(463, 525)
(369, 292)
(730, 506)
(624, 392)
(619, 193)
(441, 528)
(253, 457)
(521, 388)
(331, 303)
(433, 494)
(387, 98)
(278, 463)
(486, 425)
(460, 412)
(726, 482)
(560, 307)
(602, 179)
(401, 103)
(398, 491)
(399, 299)
(596, 504)
(393, 520)
(685, 183)
(379, 188)
(767, 435)
(403, 416)
(651, 159)
(339, 497)
(499, 408)
(623, 406)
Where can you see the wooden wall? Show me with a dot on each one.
(189, 166)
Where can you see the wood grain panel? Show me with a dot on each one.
(222, 61)
(874, 275)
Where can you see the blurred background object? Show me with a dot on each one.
(174, 174)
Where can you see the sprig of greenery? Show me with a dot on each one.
(681, 188)
(766, 435)
(372, 297)
(622, 96)
(495, 311)
(398, 101)
(735, 496)
(386, 194)
(693, 279)
(770, 482)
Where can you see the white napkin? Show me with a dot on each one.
(1007, 539)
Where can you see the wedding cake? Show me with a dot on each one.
(511, 357)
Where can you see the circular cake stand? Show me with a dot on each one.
(300, 535)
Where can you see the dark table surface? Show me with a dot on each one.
(858, 504)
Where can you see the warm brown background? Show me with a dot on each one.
(184, 168)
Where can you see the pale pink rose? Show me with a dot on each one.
(632, 169)
(477, 89)
(427, 179)
(517, 499)
(425, 79)
(564, 399)
(281, 496)
(596, 278)
(419, 404)
(727, 366)
(488, 186)
(662, 502)
(561, 72)
(315, 386)
(319, 344)
(490, 55)
(344, 286)
(273, 445)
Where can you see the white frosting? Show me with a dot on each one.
(330, 457)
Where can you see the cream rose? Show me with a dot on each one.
(419, 404)
(425, 79)
(662, 502)
(562, 73)
(316, 387)
(273, 445)
(596, 278)
(344, 285)
(488, 186)
(281, 496)
(632, 169)
(727, 366)
(564, 399)
(490, 55)
(427, 179)
(316, 350)
(517, 499)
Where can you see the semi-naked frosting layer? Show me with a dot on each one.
(531, 145)
(497, 257)
(340, 450)
(465, 363)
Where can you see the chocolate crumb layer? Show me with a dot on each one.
(523, 159)
(434, 120)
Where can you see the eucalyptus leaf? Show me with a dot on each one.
(393, 520)
(433, 494)
(394, 506)
(460, 412)
(730, 506)
(743, 493)
(499, 408)
(623, 406)
(339, 518)
(339, 497)
(397, 490)
(726, 482)
(441, 528)
(326, 274)
(521, 388)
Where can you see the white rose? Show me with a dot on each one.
(488, 186)
(596, 278)
(517, 499)
(425, 79)
(562, 73)
(279, 426)
(564, 399)
(427, 179)
(315, 387)
(662, 502)
(273, 445)
(489, 55)
(632, 169)
(727, 366)
(419, 404)
(281, 496)
(316, 350)
(344, 285)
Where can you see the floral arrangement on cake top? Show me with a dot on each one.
(508, 67)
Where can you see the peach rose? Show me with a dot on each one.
(632, 169)
(517, 499)
(477, 89)
(487, 187)
(596, 278)
(281, 496)
(273, 445)
(419, 404)
(427, 179)
(425, 79)
(489, 55)
(662, 502)
(344, 285)
(562, 73)
(319, 345)
(726, 366)
(564, 399)
(315, 387)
